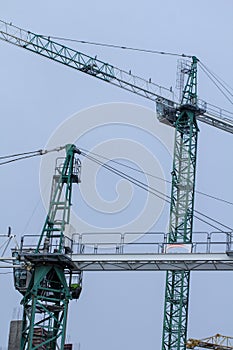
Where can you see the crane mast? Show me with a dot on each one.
(48, 283)
(181, 213)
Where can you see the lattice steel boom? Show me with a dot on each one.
(55, 51)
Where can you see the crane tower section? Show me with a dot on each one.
(181, 213)
(48, 282)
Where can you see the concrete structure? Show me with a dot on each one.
(15, 335)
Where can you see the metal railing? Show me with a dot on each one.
(135, 243)
(150, 243)
(29, 243)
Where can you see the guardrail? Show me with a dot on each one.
(151, 242)
(136, 243)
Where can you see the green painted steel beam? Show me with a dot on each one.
(181, 214)
(55, 51)
(45, 309)
(46, 298)
(67, 173)
(44, 46)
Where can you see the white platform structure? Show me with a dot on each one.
(138, 252)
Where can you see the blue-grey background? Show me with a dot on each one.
(116, 310)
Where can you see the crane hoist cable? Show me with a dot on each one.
(26, 155)
(114, 46)
(210, 74)
(212, 77)
(20, 154)
(221, 82)
(151, 175)
(43, 152)
(140, 184)
(154, 191)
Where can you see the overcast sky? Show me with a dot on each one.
(116, 310)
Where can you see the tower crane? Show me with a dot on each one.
(183, 116)
(217, 342)
(48, 282)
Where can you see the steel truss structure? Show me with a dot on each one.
(50, 49)
(217, 342)
(183, 117)
(181, 213)
(46, 282)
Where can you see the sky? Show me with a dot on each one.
(38, 97)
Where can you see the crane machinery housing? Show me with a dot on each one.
(48, 282)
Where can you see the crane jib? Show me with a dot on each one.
(43, 46)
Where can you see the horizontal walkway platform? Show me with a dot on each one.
(154, 262)
(134, 252)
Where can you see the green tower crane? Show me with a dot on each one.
(48, 283)
(183, 117)
(181, 212)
